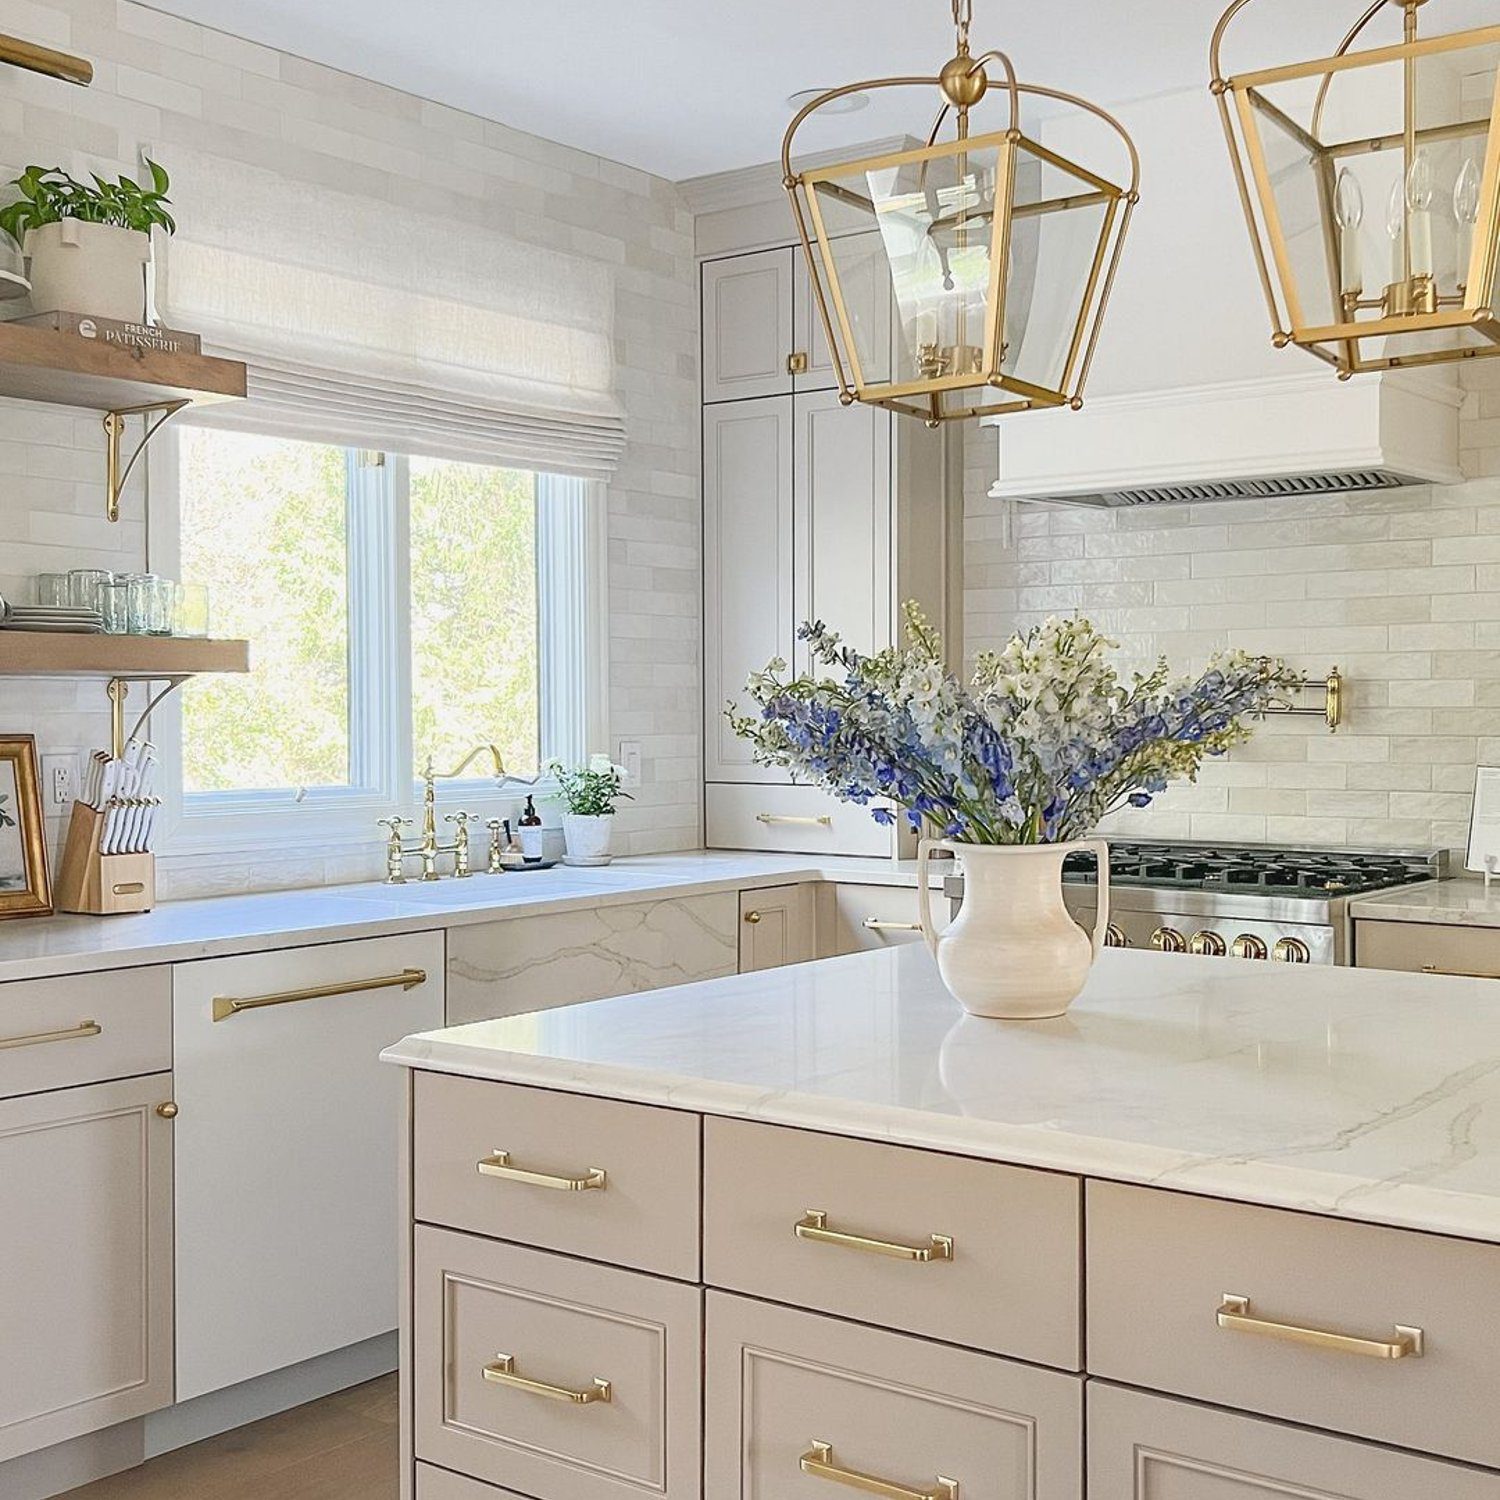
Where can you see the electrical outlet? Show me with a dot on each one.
(60, 775)
(630, 758)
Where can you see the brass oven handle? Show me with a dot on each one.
(503, 1372)
(498, 1165)
(874, 924)
(1234, 1314)
(225, 1006)
(1458, 973)
(82, 1029)
(820, 1465)
(813, 1225)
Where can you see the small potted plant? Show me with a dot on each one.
(89, 244)
(588, 795)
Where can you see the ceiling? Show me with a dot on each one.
(683, 89)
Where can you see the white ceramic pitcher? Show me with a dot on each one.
(1013, 952)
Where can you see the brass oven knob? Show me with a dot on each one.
(1114, 937)
(1209, 944)
(1247, 945)
(1168, 940)
(1292, 951)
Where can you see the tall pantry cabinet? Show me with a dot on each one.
(811, 510)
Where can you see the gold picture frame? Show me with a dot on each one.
(25, 883)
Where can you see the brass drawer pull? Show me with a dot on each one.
(503, 1372)
(814, 1226)
(1234, 1314)
(499, 1165)
(82, 1029)
(225, 1006)
(826, 821)
(1458, 973)
(874, 924)
(819, 1463)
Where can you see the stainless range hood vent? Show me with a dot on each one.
(1345, 482)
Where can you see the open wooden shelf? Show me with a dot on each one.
(33, 653)
(43, 364)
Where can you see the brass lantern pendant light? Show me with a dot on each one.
(1369, 182)
(968, 275)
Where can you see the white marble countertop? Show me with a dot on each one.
(1457, 901)
(1358, 1093)
(182, 930)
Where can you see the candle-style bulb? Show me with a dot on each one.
(1466, 194)
(1419, 183)
(1349, 201)
(1395, 211)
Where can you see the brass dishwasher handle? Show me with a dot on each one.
(37, 1038)
(826, 821)
(498, 1165)
(820, 1465)
(225, 1006)
(874, 924)
(814, 1226)
(503, 1372)
(1458, 973)
(1234, 1314)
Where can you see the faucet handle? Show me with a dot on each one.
(394, 824)
(461, 818)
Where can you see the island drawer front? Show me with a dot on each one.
(1010, 1285)
(1144, 1447)
(866, 917)
(84, 1028)
(789, 820)
(441, 1484)
(889, 1407)
(1415, 947)
(483, 1309)
(1161, 1265)
(645, 1214)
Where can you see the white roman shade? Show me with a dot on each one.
(377, 326)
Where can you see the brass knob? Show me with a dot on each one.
(167, 1111)
(1168, 940)
(1247, 945)
(1114, 937)
(752, 917)
(1207, 944)
(1292, 951)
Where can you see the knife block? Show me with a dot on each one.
(101, 884)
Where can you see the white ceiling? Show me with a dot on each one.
(681, 88)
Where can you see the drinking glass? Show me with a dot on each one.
(85, 586)
(114, 605)
(192, 609)
(152, 604)
(52, 590)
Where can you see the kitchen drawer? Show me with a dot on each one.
(1161, 1266)
(1149, 1448)
(858, 918)
(790, 820)
(613, 1404)
(645, 1214)
(84, 1028)
(783, 1385)
(1008, 1281)
(1417, 946)
(440, 1484)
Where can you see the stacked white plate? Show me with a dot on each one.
(59, 618)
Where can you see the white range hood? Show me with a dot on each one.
(1188, 400)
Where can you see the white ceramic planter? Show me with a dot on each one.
(588, 837)
(1013, 952)
(89, 268)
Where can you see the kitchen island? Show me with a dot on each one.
(1246, 1217)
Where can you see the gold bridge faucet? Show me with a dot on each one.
(427, 848)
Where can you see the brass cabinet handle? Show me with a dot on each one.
(225, 1006)
(874, 924)
(820, 1465)
(499, 1165)
(813, 1225)
(168, 1111)
(752, 917)
(1451, 973)
(503, 1372)
(1234, 1314)
(826, 821)
(37, 1038)
(796, 364)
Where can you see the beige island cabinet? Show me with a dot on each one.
(1224, 1231)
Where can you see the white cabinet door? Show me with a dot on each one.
(86, 1247)
(747, 553)
(747, 325)
(286, 1152)
(778, 926)
(842, 508)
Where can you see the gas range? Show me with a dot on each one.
(1257, 901)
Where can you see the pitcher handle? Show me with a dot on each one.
(924, 893)
(1100, 848)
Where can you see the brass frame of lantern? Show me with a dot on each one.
(1472, 310)
(958, 82)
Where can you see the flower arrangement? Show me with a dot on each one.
(589, 791)
(1043, 742)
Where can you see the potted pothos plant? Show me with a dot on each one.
(89, 243)
(588, 794)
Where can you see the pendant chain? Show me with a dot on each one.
(963, 16)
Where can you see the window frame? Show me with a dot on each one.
(384, 763)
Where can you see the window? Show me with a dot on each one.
(398, 607)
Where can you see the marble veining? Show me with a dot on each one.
(1365, 1094)
(1458, 901)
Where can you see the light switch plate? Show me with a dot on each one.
(630, 758)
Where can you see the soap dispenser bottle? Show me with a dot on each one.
(529, 827)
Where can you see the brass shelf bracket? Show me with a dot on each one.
(118, 691)
(1330, 710)
(116, 475)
